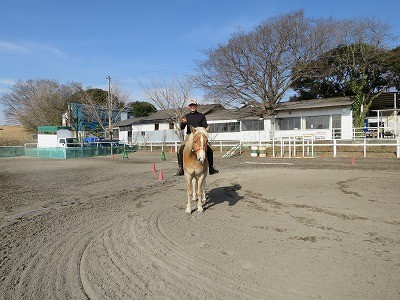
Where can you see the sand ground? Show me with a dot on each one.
(99, 228)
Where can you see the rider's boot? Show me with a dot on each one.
(210, 158)
(179, 154)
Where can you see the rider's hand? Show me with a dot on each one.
(183, 120)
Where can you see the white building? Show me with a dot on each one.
(55, 137)
(323, 119)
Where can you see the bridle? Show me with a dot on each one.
(202, 147)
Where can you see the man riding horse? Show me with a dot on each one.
(195, 119)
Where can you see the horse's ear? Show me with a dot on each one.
(206, 129)
(192, 130)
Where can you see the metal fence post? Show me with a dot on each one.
(334, 148)
(365, 148)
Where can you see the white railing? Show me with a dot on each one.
(364, 144)
(290, 147)
(374, 133)
(299, 146)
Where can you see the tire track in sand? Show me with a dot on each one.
(116, 247)
(136, 258)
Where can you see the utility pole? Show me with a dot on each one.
(110, 114)
(109, 107)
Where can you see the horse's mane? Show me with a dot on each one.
(202, 130)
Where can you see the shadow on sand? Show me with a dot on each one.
(221, 194)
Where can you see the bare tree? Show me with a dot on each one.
(261, 65)
(108, 114)
(37, 102)
(171, 97)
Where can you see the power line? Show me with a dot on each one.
(150, 74)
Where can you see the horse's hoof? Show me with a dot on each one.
(204, 201)
(188, 211)
(200, 209)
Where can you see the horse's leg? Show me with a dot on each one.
(189, 192)
(203, 199)
(201, 193)
(194, 189)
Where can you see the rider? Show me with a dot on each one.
(196, 119)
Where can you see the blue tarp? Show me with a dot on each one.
(90, 139)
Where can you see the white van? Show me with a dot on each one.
(68, 142)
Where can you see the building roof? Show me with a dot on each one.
(314, 103)
(167, 115)
(52, 129)
(246, 112)
(386, 101)
(127, 122)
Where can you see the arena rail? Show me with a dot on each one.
(305, 146)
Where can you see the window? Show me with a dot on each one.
(288, 124)
(336, 121)
(252, 125)
(125, 128)
(156, 126)
(317, 122)
(171, 126)
(225, 127)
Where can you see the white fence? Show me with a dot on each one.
(306, 147)
(294, 146)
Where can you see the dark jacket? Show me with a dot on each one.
(195, 119)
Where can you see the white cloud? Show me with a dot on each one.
(5, 81)
(27, 48)
(10, 47)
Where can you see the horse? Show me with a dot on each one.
(195, 166)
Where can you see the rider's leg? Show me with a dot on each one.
(210, 158)
(179, 155)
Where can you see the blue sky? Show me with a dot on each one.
(139, 41)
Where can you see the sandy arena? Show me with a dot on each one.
(99, 228)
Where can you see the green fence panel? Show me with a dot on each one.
(57, 153)
(62, 153)
(12, 151)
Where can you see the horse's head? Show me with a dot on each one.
(199, 143)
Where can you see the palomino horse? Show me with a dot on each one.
(195, 165)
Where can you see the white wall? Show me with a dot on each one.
(244, 136)
(123, 136)
(346, 122)
(166, 134)
(145, 133)
(51, 140)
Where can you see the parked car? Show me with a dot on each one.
(68, 142)
(105, 143)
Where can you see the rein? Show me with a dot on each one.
(201, 148)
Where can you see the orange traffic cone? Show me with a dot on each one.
(171, 150)
(160, 176)
(353, 162)
(154, 170)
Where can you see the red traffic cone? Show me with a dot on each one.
(154, 170)
(353, 162)
(160, 176)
